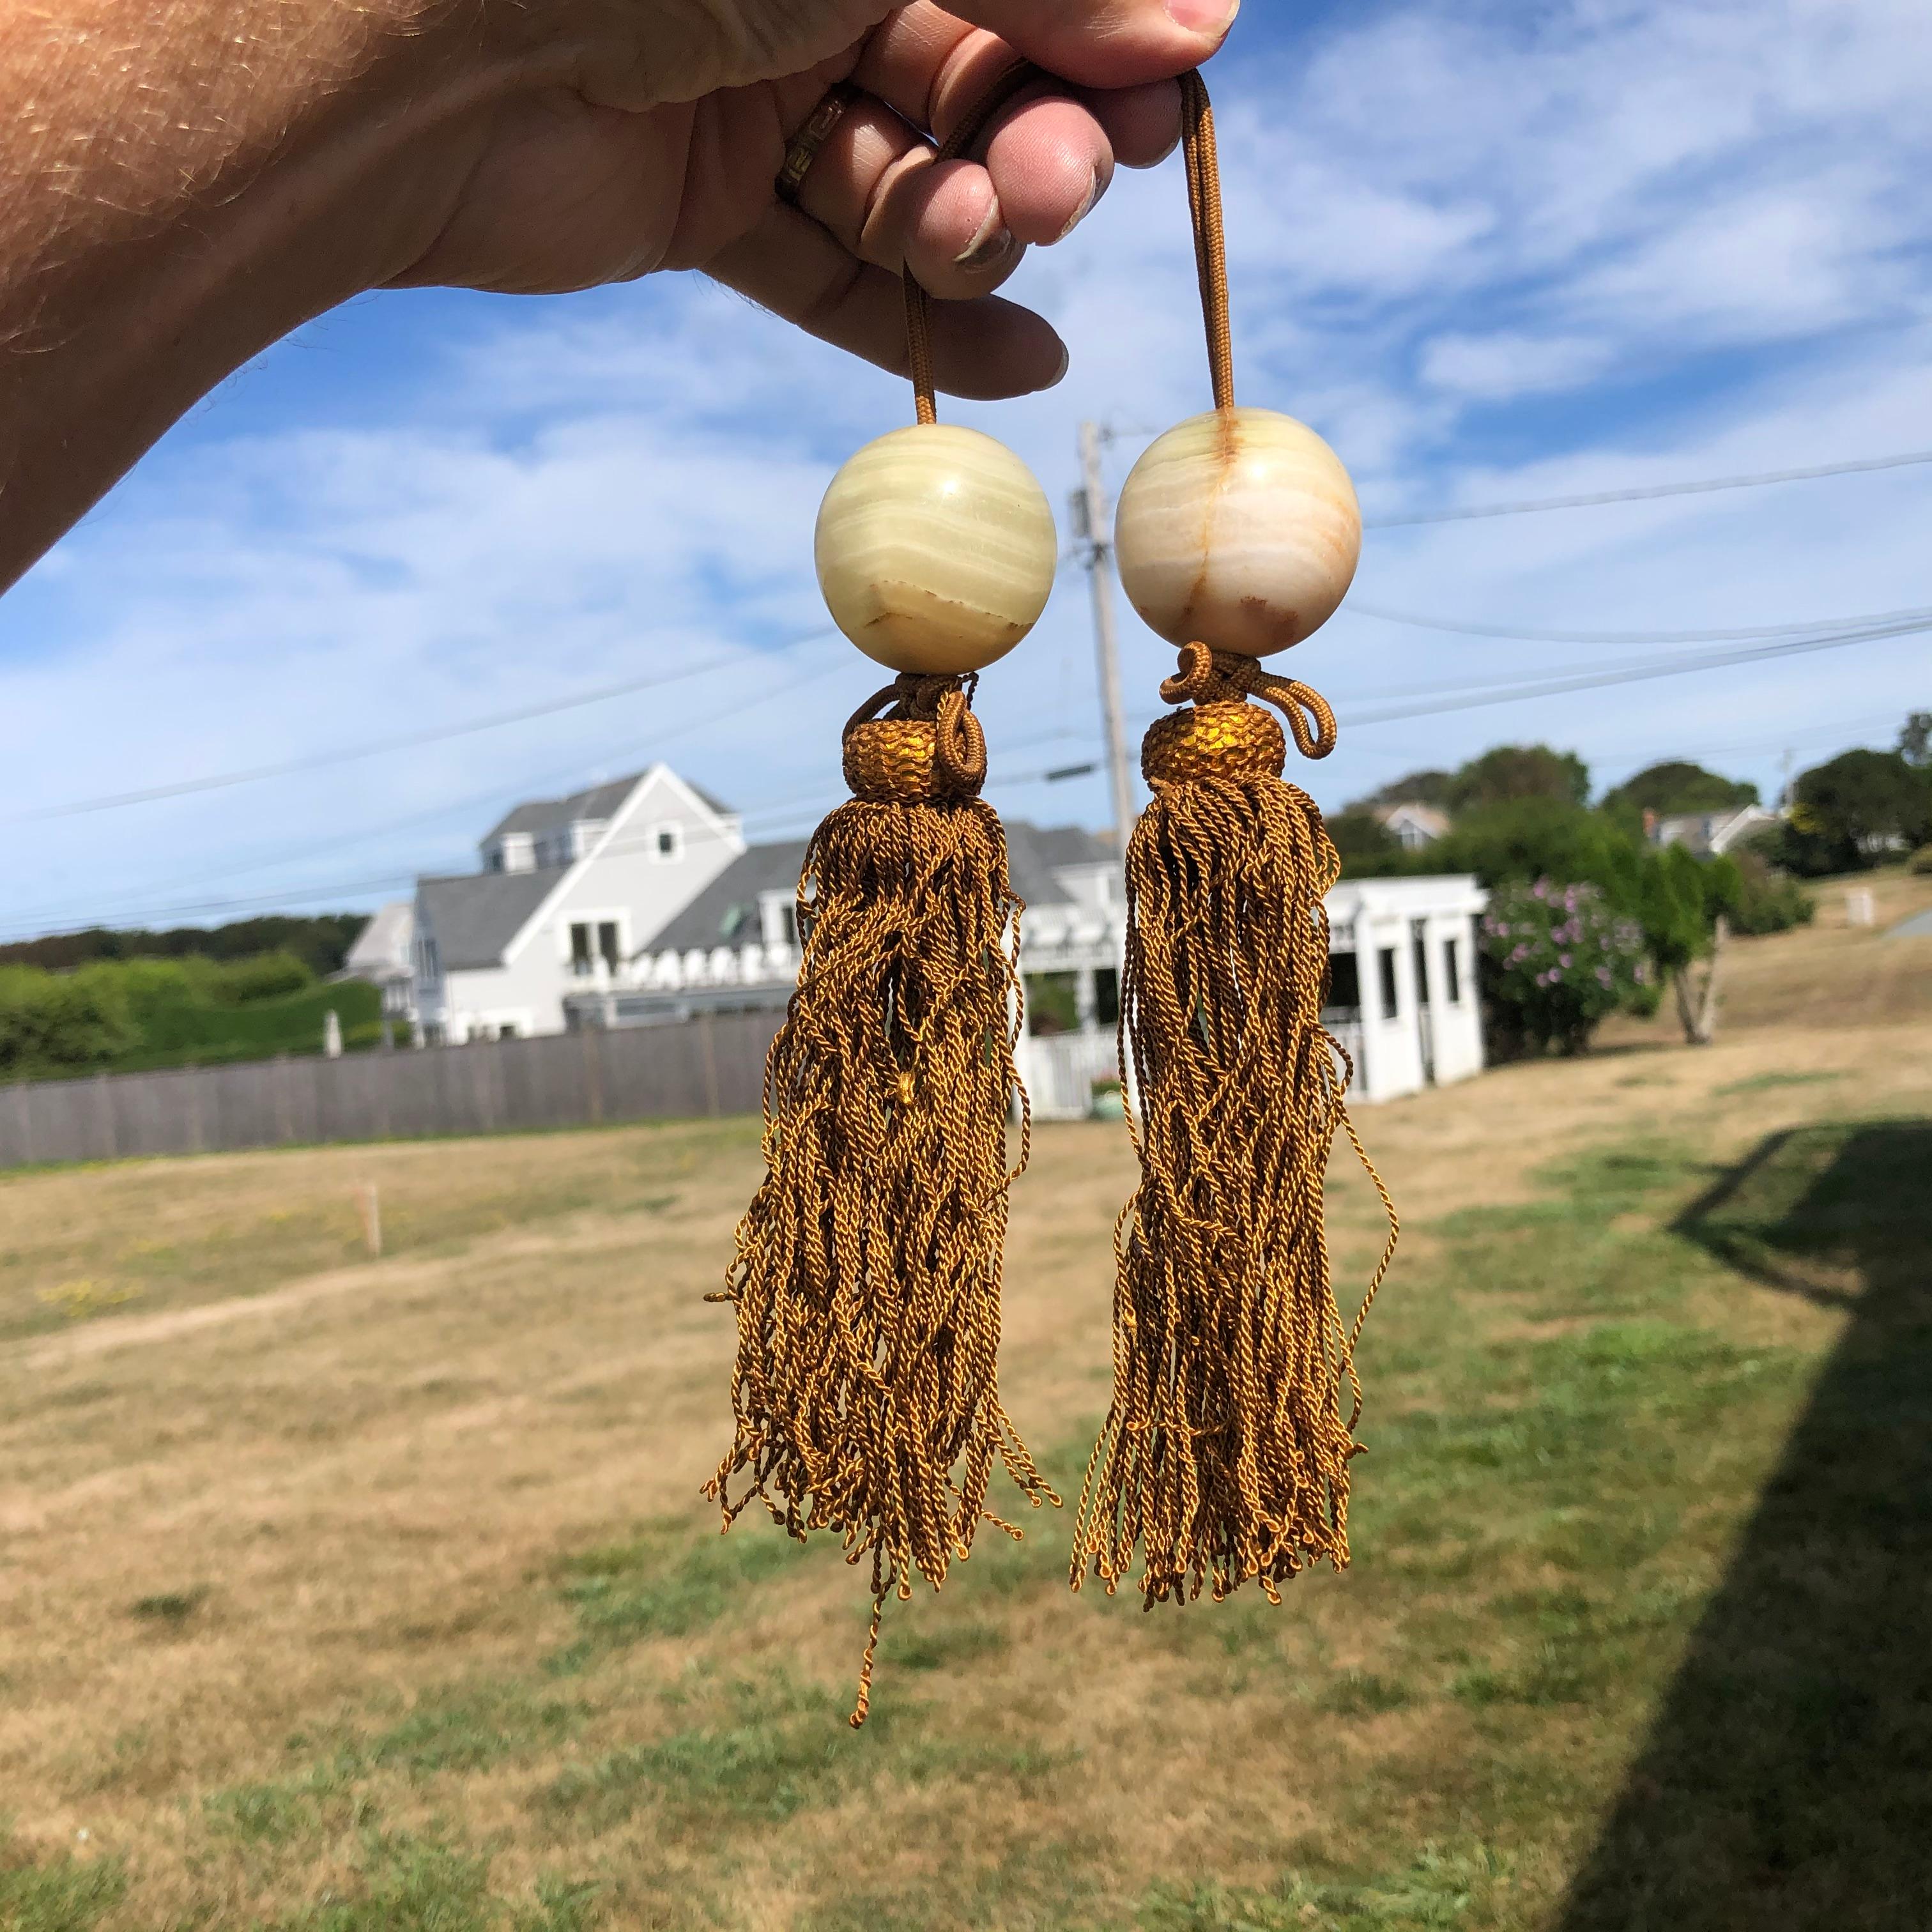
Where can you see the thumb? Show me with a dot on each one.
(1107, 42)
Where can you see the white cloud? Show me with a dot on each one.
(1490, 255)
(1496, 368)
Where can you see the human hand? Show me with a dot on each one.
(647, 138)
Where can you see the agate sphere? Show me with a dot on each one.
(1239, 530)
(936, 549)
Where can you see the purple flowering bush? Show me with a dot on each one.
(1557, 961)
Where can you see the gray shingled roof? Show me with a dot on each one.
(703, 923)
(552, 814)
(1071, 845)
(472, 918)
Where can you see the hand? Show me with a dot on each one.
(650, 137)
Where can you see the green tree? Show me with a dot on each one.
(1848, 813)
(1412, 788)
(1508, 772)
(62, 1021)
(1367, 845)
(322, 943)
(1915, 740)
(1686, 908)
(1678, 786)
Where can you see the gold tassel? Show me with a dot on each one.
(1224, 1457)
(867, 1276)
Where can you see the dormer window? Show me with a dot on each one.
(511, 853)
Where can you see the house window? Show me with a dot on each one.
(1053, 1004)
(1385, 960)
(667, 843)
(591, 940)
(1107, 996)
(1452, 974)
(1345, 984)
(1422, 969)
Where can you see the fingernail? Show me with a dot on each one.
(1066, 363)
(991, 246)
(1085, 208)
(1204, 17)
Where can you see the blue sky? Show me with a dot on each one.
(1491, 252)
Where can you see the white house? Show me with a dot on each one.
(639, 904)
(1404, 1001)
(384, 954)
(1410, 1019)
(1413, 824)
(568, 891)
(1709, 834)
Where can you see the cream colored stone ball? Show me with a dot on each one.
(1239, 530)
(937, 549)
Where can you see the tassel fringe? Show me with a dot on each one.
(1224, 1458)
(867, 1274)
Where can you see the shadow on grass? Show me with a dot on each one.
(1788, 1782)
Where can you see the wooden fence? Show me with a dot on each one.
(713, 1066)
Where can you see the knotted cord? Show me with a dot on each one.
(1226, 677)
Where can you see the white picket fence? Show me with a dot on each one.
(1059, 1073)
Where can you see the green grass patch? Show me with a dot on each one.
(1439, 1891)
(1766, 1083)
(64, 1895)
(169, 1606)
(1616, 1561)
(667, 1582)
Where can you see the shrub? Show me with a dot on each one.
(1922, 859)
(1557, 961)
(67, 1021)
(1767, 900)
(268, 976)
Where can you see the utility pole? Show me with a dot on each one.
(1092, 520)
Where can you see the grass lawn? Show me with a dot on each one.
(339, 1595)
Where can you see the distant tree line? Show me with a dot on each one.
(1589, 915)
(320, 942)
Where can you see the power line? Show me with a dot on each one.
(1466, 695)
(1416, 621)
(150, 910)
(1434, 701)
(1703, 488)
(1637, 674)
(348, 753)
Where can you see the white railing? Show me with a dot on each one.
(1059, 1072)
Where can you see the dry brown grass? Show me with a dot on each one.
(296, 1606)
